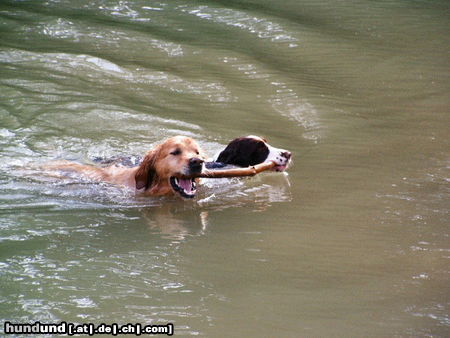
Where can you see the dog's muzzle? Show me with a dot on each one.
(282, 159)
(187, 187)
(195, 165)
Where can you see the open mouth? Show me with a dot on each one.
(279, 168)
(185, 187)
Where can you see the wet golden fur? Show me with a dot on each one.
(168, 159)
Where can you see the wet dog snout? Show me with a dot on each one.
(286, 154)
(196, 164)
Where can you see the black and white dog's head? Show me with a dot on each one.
(252, 150)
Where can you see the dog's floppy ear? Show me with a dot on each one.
(244, 151)
(237, 152)
(227, 155)
(146, 173)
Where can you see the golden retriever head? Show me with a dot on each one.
(163, 167)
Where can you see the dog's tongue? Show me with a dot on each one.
(185, 184)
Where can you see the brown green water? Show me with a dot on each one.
(352, 242)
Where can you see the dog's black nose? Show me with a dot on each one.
(196, 164)
(286, 154)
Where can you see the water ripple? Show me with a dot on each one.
(263, 28)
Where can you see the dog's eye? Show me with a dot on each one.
(176, 152)
(197, 152)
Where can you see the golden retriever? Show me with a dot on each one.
(161, 172)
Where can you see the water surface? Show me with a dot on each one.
(353, 241)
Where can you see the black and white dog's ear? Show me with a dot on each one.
(228, 155)
(233, 152)
(244, 151)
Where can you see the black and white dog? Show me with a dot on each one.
(248, 151)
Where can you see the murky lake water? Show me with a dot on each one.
(353, 241)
